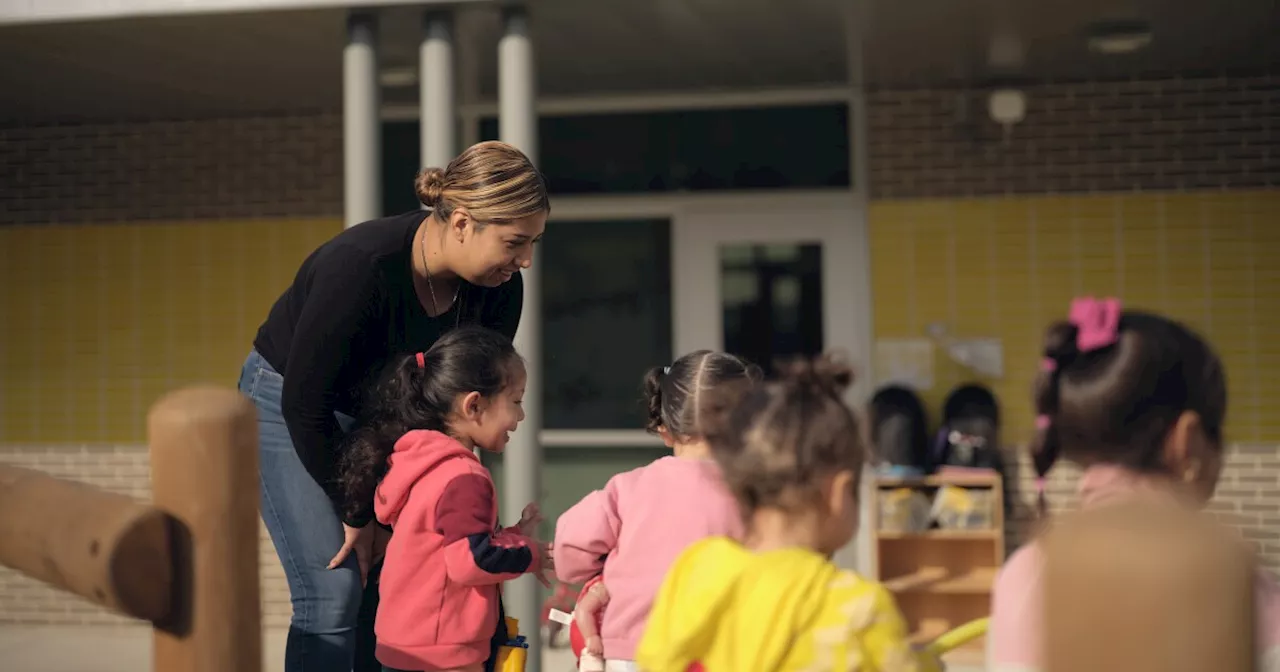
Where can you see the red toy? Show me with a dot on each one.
(577, 641)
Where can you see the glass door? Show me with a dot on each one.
(775, 282)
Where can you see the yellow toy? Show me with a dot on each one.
(957, 637)
(512, 655)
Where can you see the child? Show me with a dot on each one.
(634, 528)
(440, 601)
(792, 453)
(1138, 401)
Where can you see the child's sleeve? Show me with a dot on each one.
(473, 554)
(882, 637)
(586, 533)
(1015, 633)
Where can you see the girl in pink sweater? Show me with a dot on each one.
(1139, 402)
(635, 527)
(440, 601)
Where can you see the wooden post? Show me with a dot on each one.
(107, 548)
(1147, 588)
(204, 472)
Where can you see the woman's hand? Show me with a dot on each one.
(360, 540)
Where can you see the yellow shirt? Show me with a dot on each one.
(732, 610)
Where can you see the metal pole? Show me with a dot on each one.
(361, 127)
(436, 88)
(518, 126)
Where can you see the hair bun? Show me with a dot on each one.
(429, 186)
(824, 374)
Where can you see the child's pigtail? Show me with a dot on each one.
(1059, 352)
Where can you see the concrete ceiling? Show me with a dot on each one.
(291, 61)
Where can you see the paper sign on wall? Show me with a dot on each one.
(904, 361)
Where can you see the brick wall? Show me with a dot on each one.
(1176, 134)
(220, 168)
(1172, 134)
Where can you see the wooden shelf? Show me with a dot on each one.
(964, 480)
(941, 580)
(943, 534)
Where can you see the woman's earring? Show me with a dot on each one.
(1192, 473)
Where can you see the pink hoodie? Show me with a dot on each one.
(633, 530)
(440, 590)
(1014, 638)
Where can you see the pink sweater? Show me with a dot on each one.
(633, 530)
(1014, 638)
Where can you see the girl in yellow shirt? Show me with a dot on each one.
(792, 453)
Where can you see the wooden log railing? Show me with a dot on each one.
(187, 563)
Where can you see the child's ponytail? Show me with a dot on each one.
(1059, 352)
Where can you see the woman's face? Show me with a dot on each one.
(490, 254)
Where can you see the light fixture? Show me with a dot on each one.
(1118, 37)
(397, 78)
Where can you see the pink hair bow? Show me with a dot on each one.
(1097, 322)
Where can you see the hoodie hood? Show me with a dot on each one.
(731, 609)
(416, 454)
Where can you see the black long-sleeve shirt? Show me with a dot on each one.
(351, 310)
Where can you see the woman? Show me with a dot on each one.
(376, 291)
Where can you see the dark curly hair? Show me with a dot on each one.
(675, 395)
(778, 439)
(409, 397)
(1117, 404)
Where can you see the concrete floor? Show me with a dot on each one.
(128, 649)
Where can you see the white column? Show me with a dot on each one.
(361, 126)
(518, 126)
(439, 110)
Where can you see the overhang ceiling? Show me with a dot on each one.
(214, 65)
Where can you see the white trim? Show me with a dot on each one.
(62, 11)
(675, 204)
(656, 102)
(598, 438)
(674, 100)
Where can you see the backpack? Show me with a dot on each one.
(899, 429)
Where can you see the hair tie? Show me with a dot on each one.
(666, 370)
(422, 360)
(1042, 422)
(1040, 485)
(1097, 322)
(1048, 365)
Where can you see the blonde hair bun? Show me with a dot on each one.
(429, 186)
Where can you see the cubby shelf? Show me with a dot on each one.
(942, 578)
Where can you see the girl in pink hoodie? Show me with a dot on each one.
(635, 527)
(1139, 401)
(440, 605)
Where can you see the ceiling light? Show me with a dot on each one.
(395, 78)
(1120, 37)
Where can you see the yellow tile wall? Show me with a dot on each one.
(1006, 267)
(100, 320)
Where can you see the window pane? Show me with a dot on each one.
(772, 301)
(694, 150)
(606, 304)
(401, 157)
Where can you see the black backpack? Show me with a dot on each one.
(970, 432)
(900, 428)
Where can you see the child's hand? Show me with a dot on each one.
(594, 646)
(530, 518)
(545, 564)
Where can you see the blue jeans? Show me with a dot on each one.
(306, 532)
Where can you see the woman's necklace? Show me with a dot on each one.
(431, 288)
